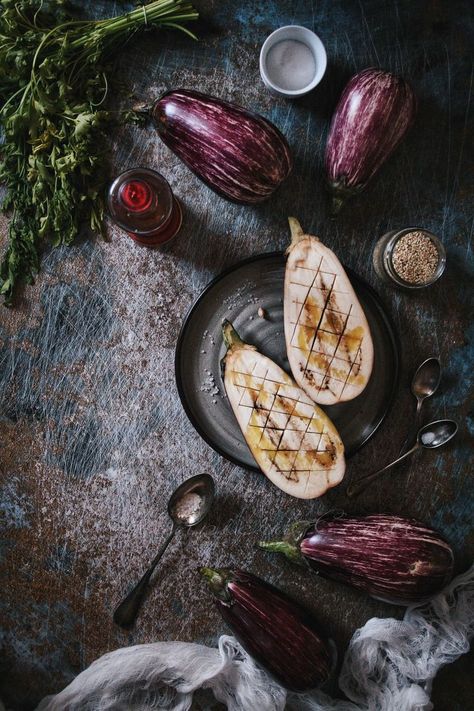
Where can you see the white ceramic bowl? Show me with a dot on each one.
(307, 37)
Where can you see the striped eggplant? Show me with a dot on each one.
(374, 113)
(328, 339)
(293, 441)
(394, 559)
(238, 154)
(274, 629)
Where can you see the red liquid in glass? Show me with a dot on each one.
(136, 195)
(141, 202)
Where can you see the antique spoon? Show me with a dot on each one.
(424, 384)
(431, 436)
(189, 504)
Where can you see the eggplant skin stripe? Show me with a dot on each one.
(392, 558)
(238, 154)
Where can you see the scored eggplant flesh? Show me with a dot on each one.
(328, 339)
(293, 441)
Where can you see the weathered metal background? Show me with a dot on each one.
(93, 436)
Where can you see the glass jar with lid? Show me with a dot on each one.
(411, 258)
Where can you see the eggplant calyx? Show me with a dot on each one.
(217, 581)
(340, 192)
(297, 531)
(290, 545)
(287, 549)
(297, 234)
(232, 339)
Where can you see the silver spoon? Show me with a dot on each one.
(424, 384)
(431, 436)
(189, 504)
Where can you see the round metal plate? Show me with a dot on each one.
(236, 295)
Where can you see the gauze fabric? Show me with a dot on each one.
(389, 666)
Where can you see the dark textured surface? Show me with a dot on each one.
(93, 438)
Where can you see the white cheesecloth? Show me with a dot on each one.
(389, 666)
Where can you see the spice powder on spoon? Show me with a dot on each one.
(415, 257)
(188, 506)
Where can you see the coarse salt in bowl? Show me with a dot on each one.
(292, 61)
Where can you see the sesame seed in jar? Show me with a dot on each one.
(415, 257)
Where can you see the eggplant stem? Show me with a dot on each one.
(211, 575)
(217, 581)
(336, 203)
(297, 233)
(230, 335)
(290, 545)
(289, 550)
(232, 339)
(143, 109)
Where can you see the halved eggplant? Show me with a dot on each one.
(293, 441)
(328, 339)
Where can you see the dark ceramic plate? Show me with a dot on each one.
(237, 294)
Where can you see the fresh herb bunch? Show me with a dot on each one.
(53, 85)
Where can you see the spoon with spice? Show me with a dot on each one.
(188, 505)
(431, 436)
(424, 384)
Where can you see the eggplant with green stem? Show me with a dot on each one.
(293, 441)
(373, 115)
(392, 558)
(238, 154)
(277, 631)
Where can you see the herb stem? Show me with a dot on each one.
(53, 85)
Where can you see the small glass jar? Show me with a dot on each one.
(141, 202)
(383, 258)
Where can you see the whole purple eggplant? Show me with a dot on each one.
(240, 155)
(394, 559)
(274, 629)
(374, 113)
